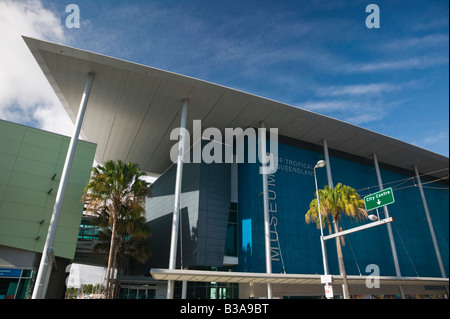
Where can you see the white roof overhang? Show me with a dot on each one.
(133, 108)
(262, 278)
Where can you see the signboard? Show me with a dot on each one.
(328, 291)
(326, 279)
(10, 272)
(379, 199)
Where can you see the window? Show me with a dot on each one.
(87, 231)
(231, 245)
(137, 292)
(16, 283)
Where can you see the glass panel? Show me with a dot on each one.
(132, 293)
(142, 294)
(232, 233)
(232, 217)
(24, 291)
(151, 293)
(8, 287)
(12, 289)
(231, 242)
(123, 293)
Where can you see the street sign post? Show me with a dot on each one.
(379, 199)
(328, 291)
(327, 280)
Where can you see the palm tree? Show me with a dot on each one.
(334, 202)
(113, 188)
(131, 231)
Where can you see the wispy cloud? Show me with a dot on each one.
(422, 42)
(433, 140)
(349, 110)
(357, 103)
(431, 22)
(357, 89)
(367, 117)
(394, 65)
(416, 52)
(330, 106)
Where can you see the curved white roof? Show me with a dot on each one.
(133, 108)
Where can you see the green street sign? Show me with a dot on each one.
(379, 199)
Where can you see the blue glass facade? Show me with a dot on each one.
(295, 245)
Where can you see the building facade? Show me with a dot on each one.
(221, 213)
(31, 162)
(222, 224)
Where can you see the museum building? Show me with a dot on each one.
(223, 229)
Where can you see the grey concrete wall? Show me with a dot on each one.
(205, 204)
(214, 207)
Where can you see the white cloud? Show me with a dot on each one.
(437, 141)
(358, 89)
(389, 65)
(331, 106)
(433, 140)
(427, 41)
(25, 95)
(349, 110)
(368, 117)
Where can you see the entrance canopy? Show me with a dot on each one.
(133, 108)
(262, 278)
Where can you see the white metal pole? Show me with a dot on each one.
(430, 224)
(389, 227)
(328, 166)
(322, 242)
(331, 185)
(359, 228)
(176, 206)
(184, 289)
(262, 149)
(43, 275)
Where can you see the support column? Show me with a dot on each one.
(331, 185)
(389, 227)
(322, 242)
(45, 266)
(328, 166)
(262, 150)
(176, 208)
(184, 285)
(430, 224)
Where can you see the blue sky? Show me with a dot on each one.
(318, 55)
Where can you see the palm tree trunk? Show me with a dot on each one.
(119, 272)
(329, 227)
(115, 273)
(341, 262)
(110, 258)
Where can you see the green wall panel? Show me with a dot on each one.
(12, 131)
(29, 158)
